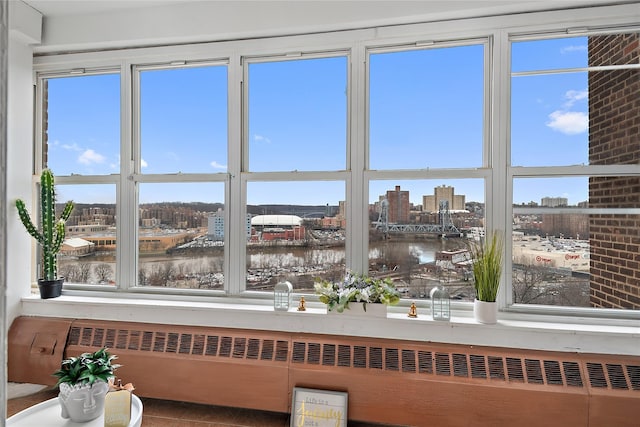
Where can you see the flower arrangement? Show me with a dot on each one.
(356, 288)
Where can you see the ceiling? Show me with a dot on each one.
(81, 7)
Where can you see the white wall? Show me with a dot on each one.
(25, 26)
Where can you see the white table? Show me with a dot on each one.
(47, 414)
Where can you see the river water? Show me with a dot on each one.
(203, 268)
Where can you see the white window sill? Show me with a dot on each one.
(513, 330)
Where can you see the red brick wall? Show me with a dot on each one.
(614, 138)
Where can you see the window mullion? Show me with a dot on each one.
(126, 196)
(235, 197)
(498, 200)
(357, 186)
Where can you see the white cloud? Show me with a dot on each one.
(261, 138)
(568, 122)
(574, 48)
(573, 96)
(143, 163)
(70, 147)
(217, 165)
(90, 157)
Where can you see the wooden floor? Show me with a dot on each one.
(164, 413)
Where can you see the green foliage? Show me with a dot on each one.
(356, 288)
(87, 368)
(487, 267)
(51, 233)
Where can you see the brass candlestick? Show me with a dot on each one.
(301, 305)
(413, 311)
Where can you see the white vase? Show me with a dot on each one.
(485, 312)
(84, 402)
(358, 309)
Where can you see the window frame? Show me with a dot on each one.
(496, 171)
(516, 172)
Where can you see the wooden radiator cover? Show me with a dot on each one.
(389, 381)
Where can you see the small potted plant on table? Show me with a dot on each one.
(50, 234)
(84, 383)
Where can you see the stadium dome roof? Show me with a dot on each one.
(276, 220)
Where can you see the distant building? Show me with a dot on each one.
(215, 225)
(149, 222)
(277, 227)
(77, 247)
(554, 202)
(86, 228)
(398, 208)
(457, 202)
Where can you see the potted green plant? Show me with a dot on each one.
(84, 383)
(49, 235)
(487, 271)
(368, 292)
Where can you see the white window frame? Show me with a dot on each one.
(497, 172)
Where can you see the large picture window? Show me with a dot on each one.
(384, 152)
(574, 110)
(297, 132)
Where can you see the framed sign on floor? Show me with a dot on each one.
(318, 408)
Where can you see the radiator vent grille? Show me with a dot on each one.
(404, 359)
(196, 344)
(474, 366)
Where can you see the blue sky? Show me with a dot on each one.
(425, 112)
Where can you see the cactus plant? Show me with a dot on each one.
(51, 233)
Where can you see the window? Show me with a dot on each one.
(297, 132)
(419, 226)
(298, 115)
(426, 108)
(574, 112)
(181, 191)
(81, 136)
(245, 164)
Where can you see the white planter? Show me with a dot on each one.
(82, 403)
(357, 309)
(485, 312)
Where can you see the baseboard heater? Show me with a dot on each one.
(410, 383)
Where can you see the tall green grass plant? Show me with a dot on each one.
(487, 267)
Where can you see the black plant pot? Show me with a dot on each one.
(50, 288)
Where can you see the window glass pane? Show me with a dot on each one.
(576, 260)
(297, 233)
(552, 54)
(426, 108)
(181, 226)
(88, 253)
(551, 192)
(550, 120)
(298, 115)
(82, 125)
(184, 120)
(575, 118)
(420, 230)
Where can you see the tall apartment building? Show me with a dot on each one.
(614, 140)
(398, 206)
(215, 225)
(554, 202)
(443, 192)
